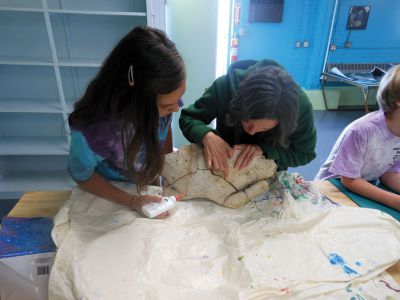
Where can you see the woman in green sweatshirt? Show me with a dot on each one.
(259, 110)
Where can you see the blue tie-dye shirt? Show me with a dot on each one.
(98, 148)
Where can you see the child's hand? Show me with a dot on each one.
(137, 202)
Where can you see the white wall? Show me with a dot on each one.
(192, 25)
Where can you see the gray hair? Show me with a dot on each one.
(389, 90)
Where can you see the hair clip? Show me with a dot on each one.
(131, 80)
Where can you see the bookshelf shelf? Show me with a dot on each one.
(50, 51)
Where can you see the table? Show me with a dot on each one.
(39, 204)
(47, 204)
(364, 85)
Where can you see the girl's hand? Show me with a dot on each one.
(216, 152)
(137, 202)
(246, 156)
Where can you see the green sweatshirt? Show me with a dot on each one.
(214, 103)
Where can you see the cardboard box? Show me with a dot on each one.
(26, 256)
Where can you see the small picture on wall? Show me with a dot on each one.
(358, 17)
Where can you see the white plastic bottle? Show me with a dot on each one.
(153, 209)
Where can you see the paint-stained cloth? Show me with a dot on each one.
(291, 243)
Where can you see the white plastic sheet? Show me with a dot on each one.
(291, 243)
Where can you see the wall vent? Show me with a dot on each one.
(360, 67)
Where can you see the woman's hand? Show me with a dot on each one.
(247, 154)
(216, 152)
(137, 202)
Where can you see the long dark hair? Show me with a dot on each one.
(157, 69)
(267, 93)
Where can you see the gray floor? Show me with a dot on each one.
(329, 124)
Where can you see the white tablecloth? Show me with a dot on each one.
(291, 243)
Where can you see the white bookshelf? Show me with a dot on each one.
(50, 51)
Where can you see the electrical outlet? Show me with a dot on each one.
(297, 44)
(348, 44)
(306, 44)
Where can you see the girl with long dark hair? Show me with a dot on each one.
(120, 128)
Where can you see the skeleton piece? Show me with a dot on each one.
(185, 172)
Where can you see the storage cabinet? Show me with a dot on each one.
(50, 50)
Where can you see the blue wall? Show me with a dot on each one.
(310, 20)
